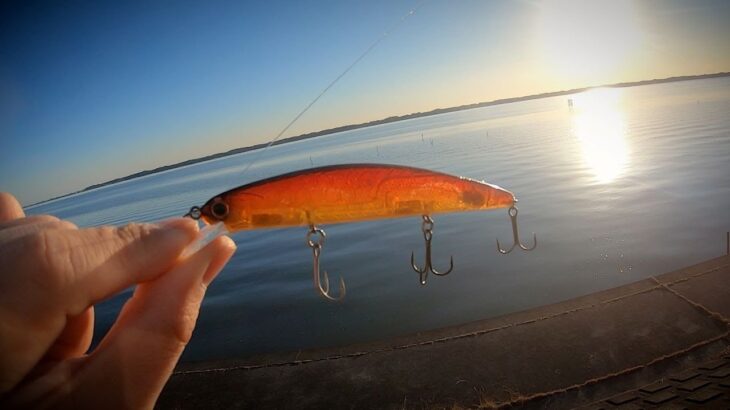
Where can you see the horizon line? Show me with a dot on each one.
(387, 120)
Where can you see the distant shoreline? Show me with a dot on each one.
(383, 121)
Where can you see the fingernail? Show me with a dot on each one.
(178, 230)
(211, 274)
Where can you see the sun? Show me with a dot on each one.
(588, 40)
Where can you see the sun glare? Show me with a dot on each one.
(599, 125)
(588, 40)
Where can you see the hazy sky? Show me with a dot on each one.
(91, 91)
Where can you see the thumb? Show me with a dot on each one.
(135, 359)
(9, 208)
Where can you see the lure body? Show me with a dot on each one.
(349, 193)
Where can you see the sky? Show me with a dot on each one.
(95, 90)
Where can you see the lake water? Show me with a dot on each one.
(625, 184)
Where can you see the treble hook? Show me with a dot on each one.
(427, 228)
(515, 234)
(322, 284)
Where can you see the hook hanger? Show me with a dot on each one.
(321, 282)
(427, 228)
(515, 234)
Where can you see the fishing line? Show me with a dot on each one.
(367, 51)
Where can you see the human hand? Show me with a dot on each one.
(51, 275)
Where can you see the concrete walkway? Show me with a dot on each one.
(576, 353)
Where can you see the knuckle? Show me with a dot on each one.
(182, 329)
(134, 231)
(179, 331)
(37, 244)
(128, 232)
(51, 259)
(105, 233)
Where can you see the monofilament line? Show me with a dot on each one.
(331, 84)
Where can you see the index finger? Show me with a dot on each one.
(9, 207)
(81, 267)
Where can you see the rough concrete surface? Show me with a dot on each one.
(581, 352)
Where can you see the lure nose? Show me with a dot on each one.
(502, 198)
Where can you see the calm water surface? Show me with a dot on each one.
(626, 184)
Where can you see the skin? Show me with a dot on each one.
(52, 274)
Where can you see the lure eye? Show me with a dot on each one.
(219, 209)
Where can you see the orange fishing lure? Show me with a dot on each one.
(349, 193)
(352, 193)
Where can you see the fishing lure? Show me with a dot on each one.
(353, 193)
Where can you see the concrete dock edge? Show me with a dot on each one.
(580, 352)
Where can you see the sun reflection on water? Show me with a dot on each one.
(599, 125)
